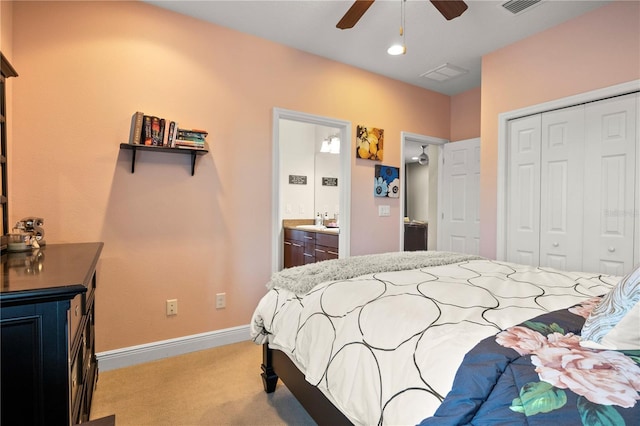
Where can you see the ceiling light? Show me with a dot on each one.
(399, 48)
(423, 159)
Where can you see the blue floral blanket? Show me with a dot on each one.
(537, 373)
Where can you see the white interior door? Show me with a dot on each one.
(460, 213)
(523, 192)
(611, 178)
(562, 189)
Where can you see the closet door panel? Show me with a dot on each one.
(523, 205)
(561, 188)
(610, 160)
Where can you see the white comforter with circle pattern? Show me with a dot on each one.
(384, 347)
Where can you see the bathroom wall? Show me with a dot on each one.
(297, 157)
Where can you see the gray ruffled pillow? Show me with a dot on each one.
(615, 322)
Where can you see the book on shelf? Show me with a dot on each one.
(163, 136)
(156, 131)
(146, 138)
(182, 142)
(191, 138)
(151, 130)
(192, 133)
(171, 133)
(136, 127)
(202, 147)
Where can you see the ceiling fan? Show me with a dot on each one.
(448, 8)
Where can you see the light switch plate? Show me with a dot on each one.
(384, 210)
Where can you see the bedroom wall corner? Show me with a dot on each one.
(465, 115)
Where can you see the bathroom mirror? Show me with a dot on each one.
(309, 178)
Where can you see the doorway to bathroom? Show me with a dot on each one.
(288, 130)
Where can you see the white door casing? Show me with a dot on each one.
(277, 235)
(460, 207)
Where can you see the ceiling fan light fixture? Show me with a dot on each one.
(397, 49)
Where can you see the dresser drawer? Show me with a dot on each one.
(75, 378)
(88, 341)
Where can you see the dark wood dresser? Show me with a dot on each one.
(47, 319)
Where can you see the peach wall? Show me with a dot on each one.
(465, 115)
(85, 67)
(598, 49)
(6, 47)
(6, 27)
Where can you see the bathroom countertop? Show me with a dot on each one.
(308, 225)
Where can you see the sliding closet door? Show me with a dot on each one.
(610, 179)
(523, 196)
(562, 189)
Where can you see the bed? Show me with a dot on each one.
(445, 338)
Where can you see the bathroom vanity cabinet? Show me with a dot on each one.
(303, 246)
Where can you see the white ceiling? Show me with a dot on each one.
(430, 39)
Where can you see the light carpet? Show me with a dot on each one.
(219, 386)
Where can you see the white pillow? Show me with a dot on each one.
(615, 322)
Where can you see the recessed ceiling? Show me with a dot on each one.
(431, 40)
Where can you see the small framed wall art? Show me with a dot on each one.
(297, 180)
(386, 181)
(369, 143)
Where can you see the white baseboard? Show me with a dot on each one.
(132, 355)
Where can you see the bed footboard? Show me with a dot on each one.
(275, 364)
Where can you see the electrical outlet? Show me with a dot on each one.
(172, 306)
(221, 300)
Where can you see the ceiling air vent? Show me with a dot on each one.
(517, 6)
(444, 72)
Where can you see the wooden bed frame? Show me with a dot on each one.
(277, 364)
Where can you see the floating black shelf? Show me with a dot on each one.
(193, 152)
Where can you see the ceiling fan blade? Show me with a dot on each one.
(450, 8)
(353, 15)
